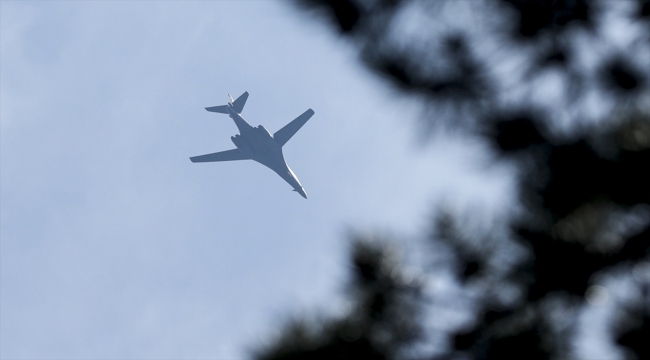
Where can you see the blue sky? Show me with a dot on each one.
(114, 245)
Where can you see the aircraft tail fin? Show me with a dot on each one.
(238, 104)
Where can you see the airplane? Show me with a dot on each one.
(257, 143)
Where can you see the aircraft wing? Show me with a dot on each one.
(228, 155)
(283, 135)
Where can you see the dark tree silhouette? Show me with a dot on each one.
(381, 323)
(560, 88)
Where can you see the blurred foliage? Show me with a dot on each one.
(380, 323)
(560, 88)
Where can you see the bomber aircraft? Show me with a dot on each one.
(256, 143)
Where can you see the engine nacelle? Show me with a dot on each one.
(267, 137)
(240, 144)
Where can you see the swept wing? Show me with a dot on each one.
(283, 135)
(228, 155)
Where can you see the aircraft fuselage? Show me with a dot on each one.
(259, 145)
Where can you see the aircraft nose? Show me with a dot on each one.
(301, 192)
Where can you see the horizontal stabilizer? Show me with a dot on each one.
(240, 102)
(228, 155)
(219, 109)
(283, 135)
